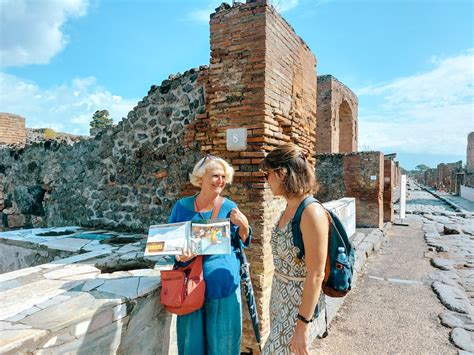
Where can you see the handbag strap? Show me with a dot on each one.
(217, 208)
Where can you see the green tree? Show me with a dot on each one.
(101, 119)
(421, 167)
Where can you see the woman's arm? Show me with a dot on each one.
(239, 219)
(315, 230)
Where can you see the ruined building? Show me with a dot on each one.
(261, 78)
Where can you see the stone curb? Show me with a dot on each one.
(364, 247)
(445, 200)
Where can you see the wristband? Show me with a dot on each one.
(303, 319)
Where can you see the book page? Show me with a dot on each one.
(167, 239)
(210, 237)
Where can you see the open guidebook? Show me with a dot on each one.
(202, 237)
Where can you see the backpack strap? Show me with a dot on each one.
(295, 224)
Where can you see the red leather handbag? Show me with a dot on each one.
(183, 288)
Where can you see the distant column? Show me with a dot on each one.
(470, 153)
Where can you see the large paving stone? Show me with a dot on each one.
(18, 273)
(127, 287)
(20, 299)
(452, 297)
(103, 341)
(463, 339)
(66, 244)
(71, 270)
(447, 277)
(457, 320)
(70, 312)
(443, 264)
(18, 340)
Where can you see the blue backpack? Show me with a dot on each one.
(341, 256)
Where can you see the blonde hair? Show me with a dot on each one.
(210, 161)
(299, 177)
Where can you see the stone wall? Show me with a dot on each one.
(467, 192)
(12, 129)
(127, 177)
(337, 117)
(70, 307)
(16, 256)
(358, 175)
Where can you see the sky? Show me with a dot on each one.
(410, 62)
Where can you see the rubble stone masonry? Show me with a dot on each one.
(12, 129)
(126, 177)
(358, 175)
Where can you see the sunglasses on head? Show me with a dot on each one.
(207, 156)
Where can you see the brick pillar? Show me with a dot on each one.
(388, 187)
(470, 153)
(12, 129)
(261, 77)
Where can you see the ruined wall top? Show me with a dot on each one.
(12, 129)
(332, 82)
(225, 8)
(337, 122)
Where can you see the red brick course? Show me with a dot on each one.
(12, 129)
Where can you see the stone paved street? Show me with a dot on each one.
(416, 294)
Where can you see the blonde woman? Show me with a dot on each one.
(216, 328)
(296, 289)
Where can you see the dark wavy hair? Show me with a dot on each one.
(299, 177)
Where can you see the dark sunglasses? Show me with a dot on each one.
(207, 156)
(266, 173)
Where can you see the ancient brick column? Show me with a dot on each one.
(261, 77)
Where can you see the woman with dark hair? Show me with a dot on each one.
(296, 290)
(216, 328)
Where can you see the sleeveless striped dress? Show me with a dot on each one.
(287, 289)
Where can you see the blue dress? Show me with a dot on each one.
(217, 327)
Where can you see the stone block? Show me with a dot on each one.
(15, 220)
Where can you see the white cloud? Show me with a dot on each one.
(30, 30)
(429, 112)
(66, 108)
(202, 15)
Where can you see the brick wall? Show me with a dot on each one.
(358, 175)
(12, 129)
(337, 109)
(261, 77)
(444, 178)
(388, 190)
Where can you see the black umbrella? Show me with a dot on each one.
(249, 294)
